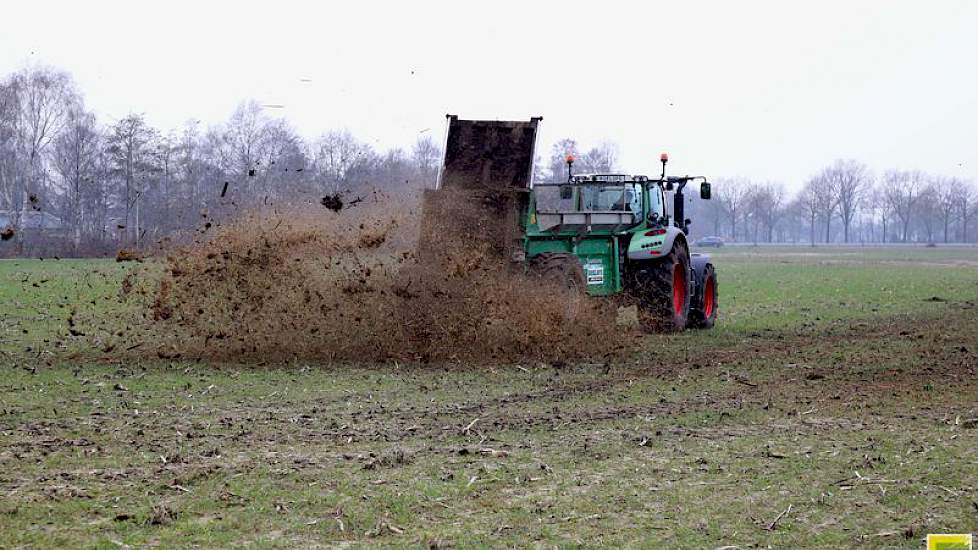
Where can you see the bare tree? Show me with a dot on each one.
(558, 158)
(426, 155)
(809, 199)
(188, 168)
(928, 211)
(338, 156)
(826, 198)
(876, 200)
(967, 207)
(600, 159)
(284, 159)
(849, 180)
(902, 193)
(394, 169)
(946, 191)
(130, 147)
(241, 141)
(75, 159)
(731, 199)
(47, 97)
(767, 204)
(9, 133)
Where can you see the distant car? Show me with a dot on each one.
(715, 242)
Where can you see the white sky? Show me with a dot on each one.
(768, 90)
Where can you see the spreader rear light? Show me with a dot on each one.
(655, 232)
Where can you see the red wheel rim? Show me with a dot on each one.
(709, 298)
(678, 289)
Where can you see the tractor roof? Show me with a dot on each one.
(608, 178)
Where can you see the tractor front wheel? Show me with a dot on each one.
(661, 290)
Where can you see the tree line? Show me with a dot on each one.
(88, 186)
(93, 187)
(845, 202)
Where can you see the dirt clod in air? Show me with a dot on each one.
(332, 202)
(125, 255)
(300, 285)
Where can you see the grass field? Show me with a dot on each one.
(834, 405)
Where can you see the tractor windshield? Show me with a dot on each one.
(612, 197)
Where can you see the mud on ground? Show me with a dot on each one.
(865, 433)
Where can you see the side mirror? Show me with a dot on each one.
(705, 190)
(566, 192)
(668, 185)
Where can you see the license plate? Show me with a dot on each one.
(595, 273)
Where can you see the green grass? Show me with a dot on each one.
(833, 384)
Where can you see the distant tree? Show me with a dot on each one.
(241, 141)
(558, 159)
(9, 132)
(967, 206)
(337, 158)
(394, 170)
(189, 167)
(284, 160)
(131, 144)
(47, 97)
(876, 200)
(810, 203)
(826, 200)
(768, 203)
(75, 160)
(731, 199)
(751, 208)
(902, 193)
(159, 213)
(947, 191)
(600, 159)
(426, 156)
(34, 104)
(928, 210)
(793, 219)
(849, 180)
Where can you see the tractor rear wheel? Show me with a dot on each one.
(661, 290)
(559, 268)
(704, 314)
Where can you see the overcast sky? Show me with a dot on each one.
(767, 90)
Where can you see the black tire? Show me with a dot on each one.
(559, 268)
(661, 290)
(703, 313)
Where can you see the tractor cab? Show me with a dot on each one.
(588, 202)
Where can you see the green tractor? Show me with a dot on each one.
(603, 234)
